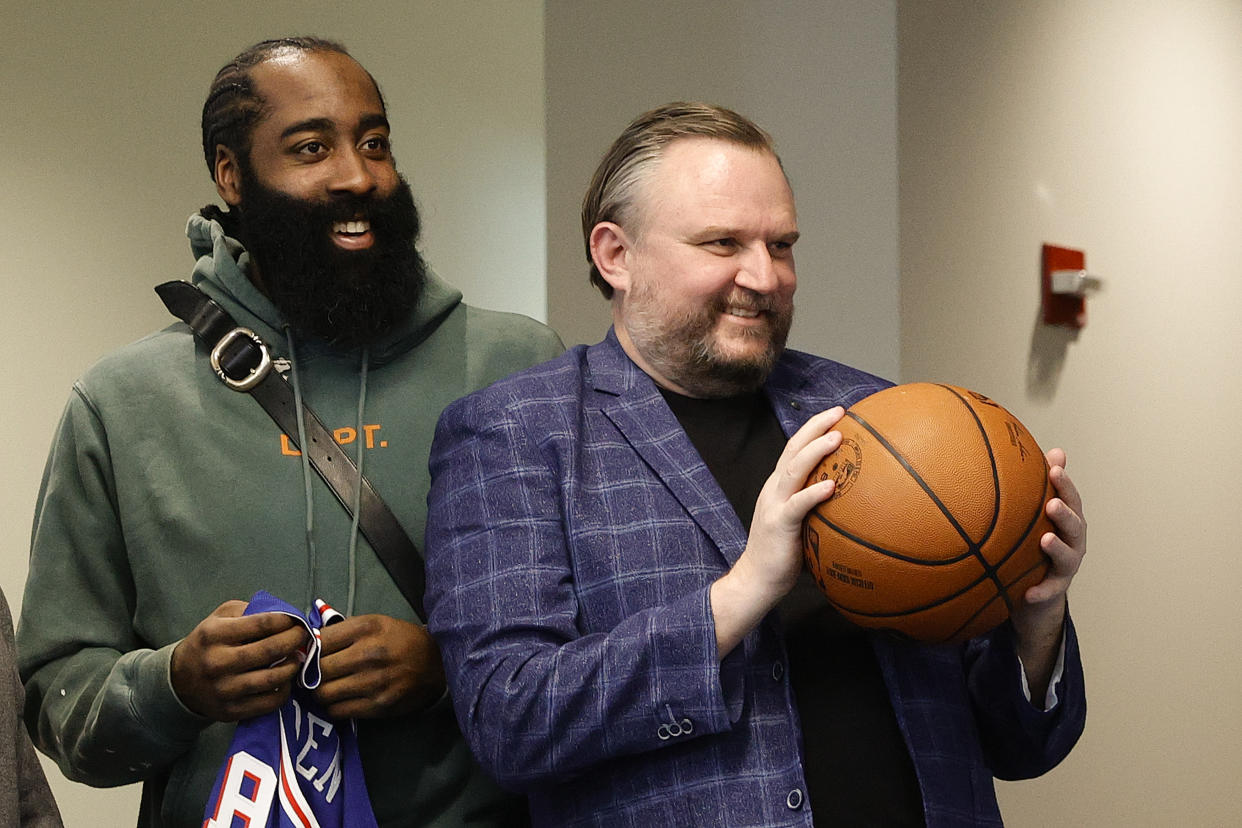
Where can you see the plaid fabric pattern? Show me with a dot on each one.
(573, 534)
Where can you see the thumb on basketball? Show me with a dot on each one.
(806, 448)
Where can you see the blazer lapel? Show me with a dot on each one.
(631, 400)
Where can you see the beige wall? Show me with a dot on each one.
(1114, 127)
(99, 113)
(820, 76)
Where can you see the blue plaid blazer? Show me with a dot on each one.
(573, 533)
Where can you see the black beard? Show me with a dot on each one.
(344, 297)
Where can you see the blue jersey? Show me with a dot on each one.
(294, 767)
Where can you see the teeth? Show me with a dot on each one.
(351, 227)
(743, 312)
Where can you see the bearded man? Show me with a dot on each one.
(169, 498)
(613, 551)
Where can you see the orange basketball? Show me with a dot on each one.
(933, 530)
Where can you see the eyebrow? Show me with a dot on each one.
(376, 119)
(714, 231)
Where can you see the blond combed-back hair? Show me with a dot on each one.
(614, 192)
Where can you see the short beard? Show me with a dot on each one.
(683, 348)
(344, 297)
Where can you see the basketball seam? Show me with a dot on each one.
(953, 636)
(888, 553)
(915, 476)
(1026, 533)
(1003, 595)
(944, 599)
(977, 549)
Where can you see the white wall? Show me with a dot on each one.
(101, 163)
(1114, 127)
(819, 76)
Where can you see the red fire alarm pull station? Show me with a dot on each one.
(1065, 283)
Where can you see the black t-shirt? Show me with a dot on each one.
(857, 767)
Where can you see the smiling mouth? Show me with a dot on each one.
(351, 228)
(353, 235)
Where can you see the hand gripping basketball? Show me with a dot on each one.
(934, 529)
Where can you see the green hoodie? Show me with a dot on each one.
(166, 494)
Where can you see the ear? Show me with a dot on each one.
(610, 250)
(228, 176)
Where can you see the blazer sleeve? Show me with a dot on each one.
(1021, 741)
(537, 699)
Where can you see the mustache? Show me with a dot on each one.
(325, 214)
(349, 208)
(747, 300)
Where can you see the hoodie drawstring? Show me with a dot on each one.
(307, 485)
(353, 532)
(308, 491)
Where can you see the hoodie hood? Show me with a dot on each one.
(220, 271)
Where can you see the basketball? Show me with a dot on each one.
(933, 529)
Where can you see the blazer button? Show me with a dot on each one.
(778, 671)
(795, 405)
(794, 800)
(672, 730)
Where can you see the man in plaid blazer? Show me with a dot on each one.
(613, 553)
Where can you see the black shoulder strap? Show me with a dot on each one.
(242, 362)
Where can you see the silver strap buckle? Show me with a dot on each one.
(256, 375)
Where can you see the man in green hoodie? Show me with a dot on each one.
(169, 498)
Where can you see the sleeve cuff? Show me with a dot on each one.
(156, 701)
(1050, 698)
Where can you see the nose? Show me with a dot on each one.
(352, 173)
(758, 270)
